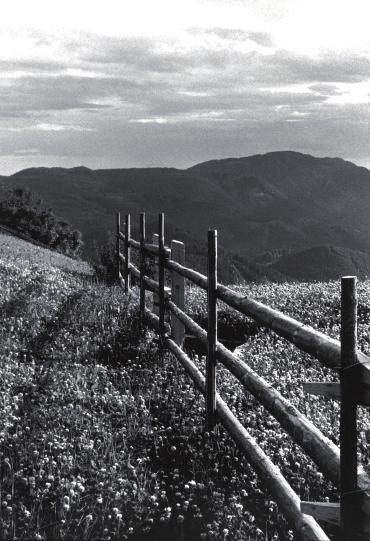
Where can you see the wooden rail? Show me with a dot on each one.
(320, 346)
(279, 487)
(353, 514)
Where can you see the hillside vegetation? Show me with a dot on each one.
(264, 206)
(102, 438)
(26, 215)
(324, 262)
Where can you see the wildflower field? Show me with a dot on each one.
(101, 437)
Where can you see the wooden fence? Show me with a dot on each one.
(339, 465)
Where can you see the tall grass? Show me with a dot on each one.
(101, 437)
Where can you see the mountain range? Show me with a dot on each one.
(279, 215)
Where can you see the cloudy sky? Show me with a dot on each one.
(132, 83)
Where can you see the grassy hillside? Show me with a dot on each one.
(277, 201)
(101, 438)
(322, 262)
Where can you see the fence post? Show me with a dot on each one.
(161, 275)
(127, 253)
(142, 267)
(118, 247)
(212, 329)
(155, 306)
(348, 410)
(178, 291)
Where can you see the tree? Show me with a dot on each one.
(23, 212)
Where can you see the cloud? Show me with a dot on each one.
(326, 89)
(60, 127)
(118, 143)
(103, 99)
(264, 39)
(327, 68)
(36, 94)
(15, 67)
(26, 151)
(170, 75)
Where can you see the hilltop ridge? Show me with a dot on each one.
(277, 153)
(284, 202)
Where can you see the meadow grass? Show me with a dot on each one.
(286, 367)
(103, 438)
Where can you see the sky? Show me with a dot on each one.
(144, 83)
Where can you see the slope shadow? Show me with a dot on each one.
(16, 306)
(51, 327)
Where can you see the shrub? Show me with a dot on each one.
(106, 266)
(23, 212)
(106, 261)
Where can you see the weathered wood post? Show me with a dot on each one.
(212, 329)
(118, 247)
(127, 253)
(142, 267)
(178, 291)
(348, 410)
(155, 307)
(161, 275)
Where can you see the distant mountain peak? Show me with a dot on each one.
(34, 171)
(266, 207)
(81, 169)
(279, 155)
